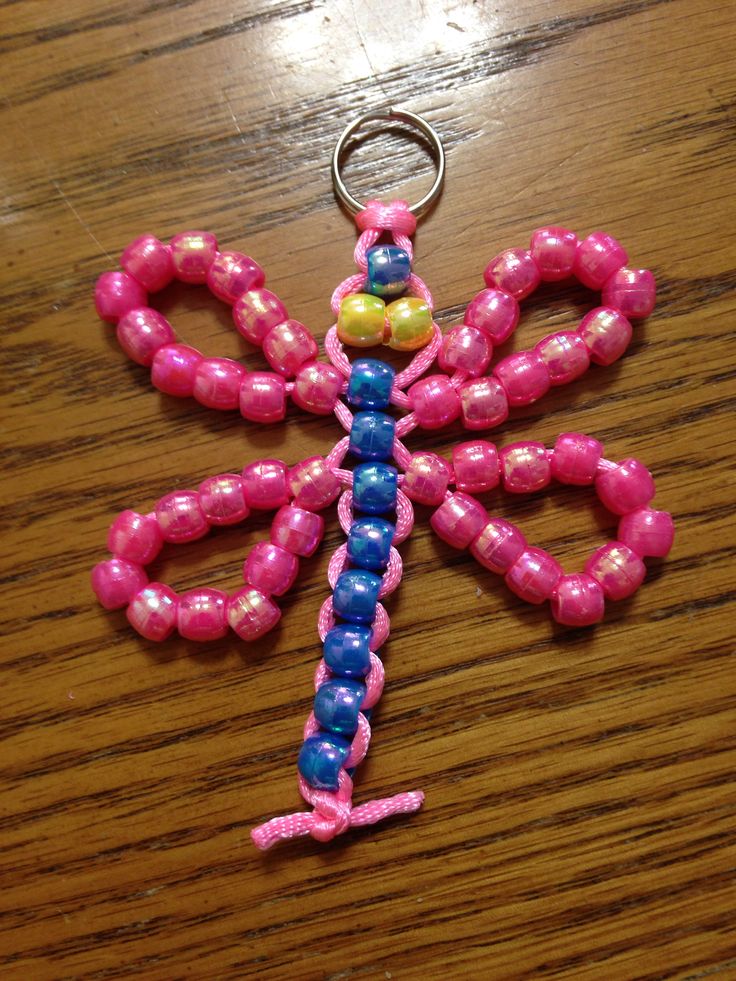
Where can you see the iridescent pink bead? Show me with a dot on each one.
(297, 530)
(495, 313)
(598, 257)
(251, 613)
(200, 614)
(174, 368)
(534, 575)
(141, 332)
(193, 253)
(553, 249)
(426, 478)
(263, 397)
(525, 467)
(513, 271)
(625, 488)
(498, 545)
(270, 568)
(565, 356)
(288, 346)
(617, 568)
(475, 466)
(647, 532)
(575, 459)
(217, 383)
(316, 387)
(180, 516)
(116, 293)
(116, 581)
(632, 291)
(256, 312)
(578, 601)
(466, 349)
(152, 611)
(483, 403)
(149, 261)
(313, 484)
(524, 376)
(459, 520)
(135, 537)
(434, 401)
(266, 484)
(222, 499)
(606, 334)
(233, 273)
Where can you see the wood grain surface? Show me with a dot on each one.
(580, 815)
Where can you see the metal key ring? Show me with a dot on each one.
(411, 119)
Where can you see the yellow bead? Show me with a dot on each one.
(361, 320)
(411, 323)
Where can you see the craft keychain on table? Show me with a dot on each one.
(384, 303)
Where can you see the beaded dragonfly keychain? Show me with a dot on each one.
(384, 303)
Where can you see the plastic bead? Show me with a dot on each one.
(233, 273)
(141, 332)
(375, 486)
(647, 532)
(174, 369)
(534, 575)
(180, 516)
(297, 530)
(355, 595)
(476, 466)
(266, 484)
(262, 397)
(116, 581)
(553, 250)
(498, 545)
(152, 611)
(217, 383)
(135, 537)
(625, 488)
(313, 484)
(565, 356)
(200, 614)
(632, 291)
(617, 568)
(337, 704)
(222, 499)
(483, 402)
(525, 467)
(288, 346)
(513, 271)
(575, 459)
(192, 254)
(361, 320)
(606, 333)
(316, 387)
(372, 436)
(256, 312)
(578, 601)
(434, 401)
(410, 324)
(149, 261)
(251, 614)
(369, 543)
(388, 268)
(116, 293)
(598, 257)
(466, 349)
(270, 568)
(321, 758)
(459, 520)
(370, 384)
(426, 478)
(347, 650)
(524, 376)
(494, 312)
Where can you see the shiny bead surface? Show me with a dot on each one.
(369, 543)
(475, 466)
(200, 614)
(434, 401)
(321, 758)
(647, 532)
(524, 376)
(578, 601)
(426, 478)
(256, 312)
(565, 356)
(152, 611)
(217, 383)
(174, 368)
(192, 254)
(262, 397)
(459, 520)
(483, 403)
(361, 320)
(270, 568)
(389, 268)
(232, 273)
(287, 346)
(116, 293)
(598, 257)
(513, 271)
(575, 459)
(525, 467)
(251, 614)
(316, 387)
(222, 499)
(135, 537)
(116, 581)
(312, 483)
(266, 484)
(297, 530)
(465, 349)
(498, 545)
(180, 516)
(370, 384)
(355, 595)
(625, 488)
(149, 261)
(618, 569)
(372, 436)
(375, 486)
(553, 250)
(534, 575)
(606, 334)
(495, 313)
(632, 291)
(141, 332)
(337, 704)
(347, 650)
(410, 324)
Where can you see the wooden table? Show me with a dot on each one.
(580, 795)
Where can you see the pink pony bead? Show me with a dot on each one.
(270, 568)
(553, 250)
(513, 271)
(265, 483)
(498, 545)
(466, 349)
(525, 467)
(316, 387)
(135, 537)
(192, 254)
(578, 601)
(426, 478)
(116, 293)
(217, 383)
(233, 273)
(251, 613)
(149, 261)
(180, 516)
(632, 291)
(222, 499)
(606, 334)
(459, 520)
(297, 530)
(565, 356)
(434, 402)
(313, 484)
(152, 611)
(476, 466)
(256, 312)
(598, 257)
(288, 346)
(617, 568)
(174, 368)
(200, 614)
(534, 575)
(575, 459)
(116, 581)
(495, 313)
(647, 532)
(141, 332)
(625, 488)
(263, 397)
(483, 403)
(524, 376)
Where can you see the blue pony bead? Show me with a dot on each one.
(336, 705)
(389, 269)
(369, 543)
(372, 436)
(375, 486)
(355, 595)
(320, 759)
(370, 384)
(347, 650)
